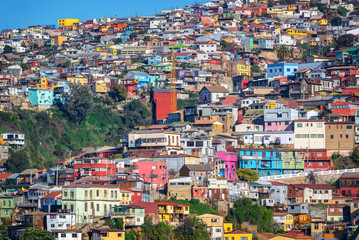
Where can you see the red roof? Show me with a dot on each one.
(280, 213)
(309, 120)
(339, 103)
(53, 195)
(5, 175)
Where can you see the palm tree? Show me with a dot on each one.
(282, 52)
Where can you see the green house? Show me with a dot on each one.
(292, 161)
(132, 215)
(7, 206)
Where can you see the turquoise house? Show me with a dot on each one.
(41, 98)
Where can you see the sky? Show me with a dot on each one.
(23, 13)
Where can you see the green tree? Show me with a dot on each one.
(345, 40)
(342, 11)
(36, 234)
(24, 66)
(191, 229)
(131, 235)
(161, 231)
(115, 223)
(67, 64)
(136, 114)
(247, 174)
(118, 40)
(78, 103)
(245, 210)
(282, 52)
(255, 69)
(5, 223)
(146, 39)
(18, 162)
(8, 49)
(336, 21)
(355, 154)
(118, 93)
(82, 62)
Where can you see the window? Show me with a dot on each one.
(349, 127)
(154, 167)
(74, 235)
(98, 207)
(97, 193)
(331, 136)
(52, 225)
(346, 136)
(63, 235)
(319, 125)
(299, 124)
(119, 234)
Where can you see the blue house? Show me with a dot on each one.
(281, 70)
(51, 202)
(153, 60)
(41, 98)
(141, 79)
(48, 73)
(266, 162)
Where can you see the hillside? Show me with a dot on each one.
(51, 135)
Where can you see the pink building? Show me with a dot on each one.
(229, 160)
(154, 172)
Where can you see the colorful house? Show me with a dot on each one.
(266, 162)
(154, 172)
(285, 219)
(279, 119)
(132, 215)
(237, 235)
(230, 164)
(214, 224)
(108, 234)
(89, 201)
(292, 161)
(42, 99)
(7, 206)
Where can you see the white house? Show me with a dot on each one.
(57, 221)
(68, 234)
(212, 94)
(309, 133)
(284, 40)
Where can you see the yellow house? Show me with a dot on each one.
(285, 219)
(67, 22)
(237, 235)
(46, 84)
(108, 234)
(271, 105)
(61, 40)
(168, 210)
(125, 197)
(78, 79)
(217, 126)
(244, 69)
(227, 227)
(191, 160)
(214, 224)
(323, 21)
(291, 8)
(296, 32)
(100, 87)
(211, 220)
(318, 227)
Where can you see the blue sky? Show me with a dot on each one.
(22, 13)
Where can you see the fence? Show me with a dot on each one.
(304, 174)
